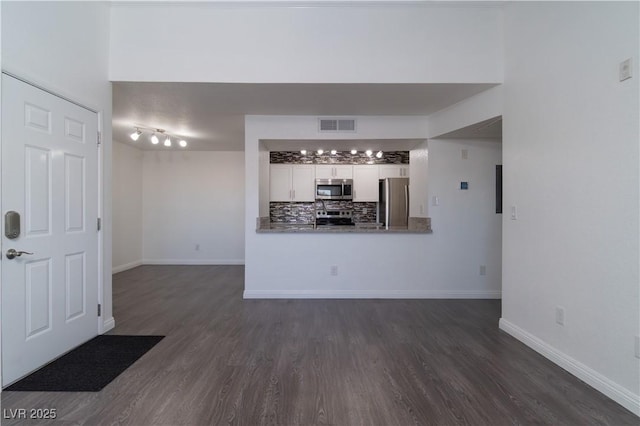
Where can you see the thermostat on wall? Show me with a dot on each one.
(464, 185)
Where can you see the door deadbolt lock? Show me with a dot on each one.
(13, 253)
(12, 224)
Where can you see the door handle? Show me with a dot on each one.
(12, 253)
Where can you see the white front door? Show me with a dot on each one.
(50, 178)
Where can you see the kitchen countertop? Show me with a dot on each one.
(361, 228)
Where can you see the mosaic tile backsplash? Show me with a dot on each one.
(283, 212)
(341, 157)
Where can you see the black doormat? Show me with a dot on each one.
(89, 367)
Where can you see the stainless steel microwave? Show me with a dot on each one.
(334, 189)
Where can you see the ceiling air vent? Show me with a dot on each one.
(337, 125)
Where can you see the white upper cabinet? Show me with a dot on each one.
(303, 183)
(280, 182)
(344, 171)
(365, 183)
(393, 171)
(334, 171)
(292, 182)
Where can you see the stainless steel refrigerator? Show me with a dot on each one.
(393, 202)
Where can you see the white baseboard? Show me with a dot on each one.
(126, 266)
(369, 294)
(108, 324)
(193, 262)
(596, 380)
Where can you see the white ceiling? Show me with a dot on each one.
(210, 116)
(487, 129)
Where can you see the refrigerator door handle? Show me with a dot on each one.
(388, 204)
(406, 201)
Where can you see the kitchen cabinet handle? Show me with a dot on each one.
(294, 194)
(290, 194)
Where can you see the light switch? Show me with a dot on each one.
(514, 213)
(435, 200)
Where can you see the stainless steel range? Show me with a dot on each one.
(334, 217)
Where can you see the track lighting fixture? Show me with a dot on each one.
(320, 151)
(379, 154)
(368, 152)
(303, 151)
(154, 136)
(135, 135)
(354, 151)
(334, 152)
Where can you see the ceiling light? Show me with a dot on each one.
(320, 151)
(354, 151)
(135, 135)
(334, 152)
(156, 134)
(303, 151)
(368, 152)
(379, 154)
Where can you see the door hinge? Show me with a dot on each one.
(99, 138)
(99, 309)
(99, 224)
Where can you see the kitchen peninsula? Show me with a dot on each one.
(417, 225)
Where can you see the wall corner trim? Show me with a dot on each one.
(594, 379)
(193, 262)
(126, 266)
(109, 324)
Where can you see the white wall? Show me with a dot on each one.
(314, 44)
(571, 166)
(468, 229)
(64, 46)
(443, 264)
(192, 198)
(127, 207)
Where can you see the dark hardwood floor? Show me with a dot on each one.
(226, 360)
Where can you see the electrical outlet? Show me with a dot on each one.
(637, 346)
(197, 247)
(625, 69)
(514, 213)
(465, 154)
(334, 270)
(560, 315)
(483, 269)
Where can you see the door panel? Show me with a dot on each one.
(74, 188)
(37, 192)
(50, 177)
(38, 295)
(74, 129)
(75, 286)
(37, 118)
